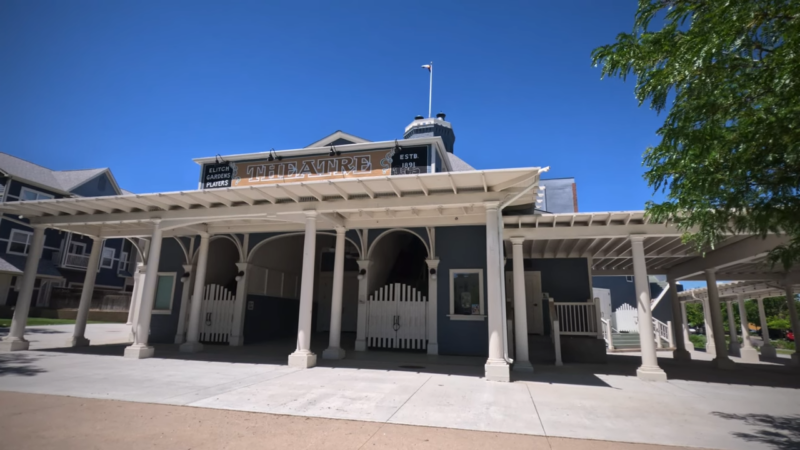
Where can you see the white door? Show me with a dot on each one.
(605, 302)
(533, 300)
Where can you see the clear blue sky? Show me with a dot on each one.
(144, 86)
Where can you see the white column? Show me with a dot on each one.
(710, 348)
(240, 307)
(733, 345)
(303, 358)
(139, 349)
(361, 325)
(748, 353)
(136, 297)
(132, 305)
(649, 370)
(787, 286)
(522, 361)
(767, 350)
(79, 334)
(715, 311)
(16, 335)
(334, 350)
(433, 306)
(686, 341)
(186, 289)
(192, 344)
(678, 324)
(496, 366)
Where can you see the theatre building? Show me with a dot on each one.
(391, 246)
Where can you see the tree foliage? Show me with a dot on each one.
(728, 72)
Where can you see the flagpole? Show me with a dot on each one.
(430, 93)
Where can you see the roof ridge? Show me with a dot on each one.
(82, 170)
(29, 162)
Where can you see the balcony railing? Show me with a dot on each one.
(72, 260)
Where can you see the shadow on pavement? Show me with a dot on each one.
(781, 432)
(275, 353)
(18, 364)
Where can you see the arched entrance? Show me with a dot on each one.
(219, 290)
(273, 290)
(397, 291)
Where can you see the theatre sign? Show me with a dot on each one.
(393, 161)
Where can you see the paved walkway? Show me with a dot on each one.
(755, 406)
(55, 336)
(82, 424)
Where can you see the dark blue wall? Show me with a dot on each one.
(460, 248)
(97, 187)
(623, 291)
(163, 327)
(271, 318)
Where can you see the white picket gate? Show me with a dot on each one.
(397, 318)
(626, 319)
(216, 318)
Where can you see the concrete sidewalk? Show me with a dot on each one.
(81, 424)
(56, 336)
(755, 406)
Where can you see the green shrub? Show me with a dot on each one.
(698, 340)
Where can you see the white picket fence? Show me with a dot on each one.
(626, 319)
(397, 318)
(216, 318)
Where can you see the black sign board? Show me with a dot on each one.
(410, 160)
(217, 176)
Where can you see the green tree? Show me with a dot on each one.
(729, 156)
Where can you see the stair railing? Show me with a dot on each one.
(608, 333)
(662, 332)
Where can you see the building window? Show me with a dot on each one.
(77, 248)
(27, 194)
(107, 260)
(165, 288)
(629, 279)
(466, 294)
(20, 242)
(123, 262)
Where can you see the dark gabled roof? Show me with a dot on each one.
(336, 136)
(59, 180)
(458, 164)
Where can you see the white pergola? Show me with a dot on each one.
(614, 243)
(740, 292)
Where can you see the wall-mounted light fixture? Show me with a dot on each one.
(361, 274)
(239, 275)
(334, 152)
(433, 274)
(273, 156)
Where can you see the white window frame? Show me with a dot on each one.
(103, 257)
(28, 241)
(629, 278)
(174, 276)
(482, 302)
(77, 244)
(123, 262)
(39, 195)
